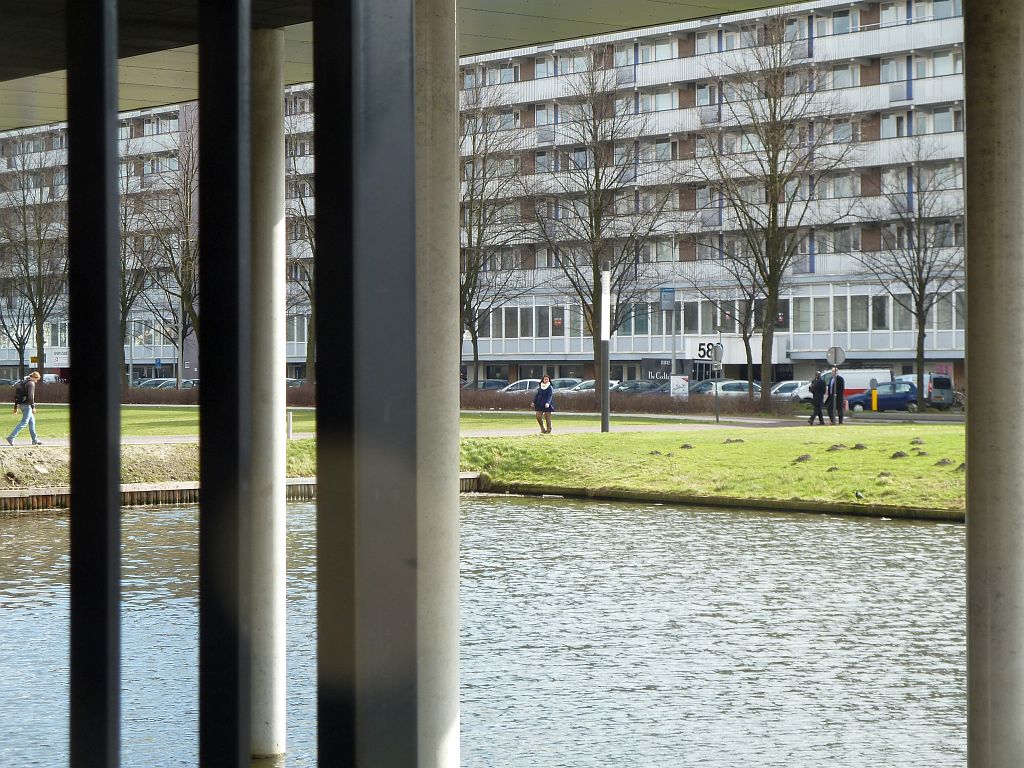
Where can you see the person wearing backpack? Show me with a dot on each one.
(25, 399)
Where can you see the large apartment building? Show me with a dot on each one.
(879, 88)
(159, 247)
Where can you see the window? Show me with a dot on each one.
(858, 313)
(845, 76)
(945, 119)
(839, 320)
(707, 94)
(469, 79)
(641, 319)
(295, 328)
(665, 49)
(943, 308)
(543, 66)
(511, 322)
(796, 29)
(124, 131)
(690, 317)
(706, 42)
(157, 125)
(297, 104)
(581, 158)
(707, 316)
(546, 162)
(960, 315)
(894, 125)
(558, 321)
(844, 132)
(947, 63)
(801, 314)
(544, 114)
(847, 239)
(879, 313)
(569, 63)
(894, 70)
(892, 13)
(845, 21)
(623, 55)
(820, 308)
(846, 185)
(902, 318)
(664, 149)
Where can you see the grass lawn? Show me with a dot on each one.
(143, 421)
(771, 463)
(498, 420)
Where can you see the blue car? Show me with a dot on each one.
(892, 396)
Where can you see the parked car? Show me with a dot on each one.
(892, 396)
(637, 387)
(486, 384)
(938, 388)
(295, 382)
(585, 386)
(157, 383)
(568, 383)
(787, 389)
(521, 386)
(725, 387)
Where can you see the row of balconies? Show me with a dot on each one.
(856, 103)
(865, 44)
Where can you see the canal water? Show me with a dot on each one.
(592, 635)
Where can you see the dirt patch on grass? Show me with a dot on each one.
(42, 466)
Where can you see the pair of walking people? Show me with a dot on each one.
(25, 399)
(830, 394)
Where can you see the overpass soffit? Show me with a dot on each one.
(159, 59)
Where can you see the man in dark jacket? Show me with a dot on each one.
(25, 396)
(817, 398)
(836, 396)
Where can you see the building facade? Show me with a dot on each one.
(875, 219)
(159, 247)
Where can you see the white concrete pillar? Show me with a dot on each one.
(995, 346)
(437, 366)
(268, 394)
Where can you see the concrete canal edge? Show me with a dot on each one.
(473, 481)
(304, 489)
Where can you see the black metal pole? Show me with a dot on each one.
(225, 356)
(93, 326)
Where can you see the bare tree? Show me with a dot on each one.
(770, 127)
(920, 256)
(16, 320)
(731, 283)
(168, 212)
(491, 268)
(300, 210)
(33, 228)
(135, 257)
(601, 196)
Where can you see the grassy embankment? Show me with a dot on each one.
(820, 464)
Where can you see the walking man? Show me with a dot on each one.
(817, 398)
(25, 399)
(836, 396)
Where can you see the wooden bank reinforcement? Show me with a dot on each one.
(304, 489)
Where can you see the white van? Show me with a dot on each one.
(857, 380)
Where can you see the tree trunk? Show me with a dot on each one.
(750, 367)
(21, 360)
(919, 363)
(311, 347)
(771, 304)
(125, 383)
(40, 347)
(476, 355)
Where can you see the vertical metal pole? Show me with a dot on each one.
(606, 365)
(672, 325)
(367, 441)
(93, 280)
(226, 361)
